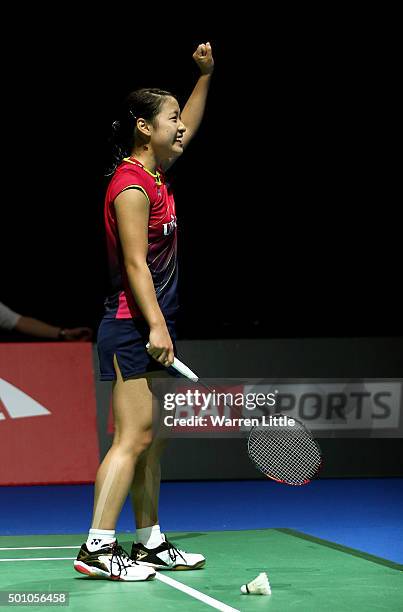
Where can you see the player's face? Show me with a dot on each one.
(168, 131)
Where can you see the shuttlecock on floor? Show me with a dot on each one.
(259, 586)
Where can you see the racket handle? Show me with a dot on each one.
(181, 368)
(184, 370)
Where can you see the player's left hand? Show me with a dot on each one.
(203, 56)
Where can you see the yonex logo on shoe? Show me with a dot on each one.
(95, 542)
(18, 404)
(141, 555)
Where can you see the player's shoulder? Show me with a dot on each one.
(127, 175)
(127, 170)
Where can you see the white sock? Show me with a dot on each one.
(150, 537)
(99, 537)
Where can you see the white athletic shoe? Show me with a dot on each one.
(166, 556)
(111, 562)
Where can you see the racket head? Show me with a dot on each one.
(285, 453)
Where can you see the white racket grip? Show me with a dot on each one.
(182, 368)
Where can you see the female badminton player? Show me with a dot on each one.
(140, 223)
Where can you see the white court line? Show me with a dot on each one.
(214, 603)
(210, 601)
(40, 547)
(42, 559)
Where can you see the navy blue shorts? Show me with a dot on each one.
(127, 339)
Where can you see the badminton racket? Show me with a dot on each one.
(284, 450)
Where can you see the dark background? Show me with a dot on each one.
(287, 200)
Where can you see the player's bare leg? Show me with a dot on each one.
(152, 548)
(101, 556)
(132, 412)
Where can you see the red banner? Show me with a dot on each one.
(48, 421)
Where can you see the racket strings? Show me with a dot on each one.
(294, 472)
(288, 454)
(291, 469)
(269, 455)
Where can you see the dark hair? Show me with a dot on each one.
(145, 103)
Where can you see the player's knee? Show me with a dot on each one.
(145, 440)
(136, 445)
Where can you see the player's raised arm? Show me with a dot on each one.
(192, 113)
